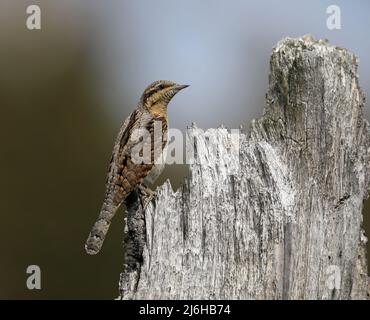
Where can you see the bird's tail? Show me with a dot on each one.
(100, 229)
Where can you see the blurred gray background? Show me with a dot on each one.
(65, 89)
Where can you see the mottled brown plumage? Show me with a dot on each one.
(125, 173)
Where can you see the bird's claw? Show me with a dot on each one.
(146, 195)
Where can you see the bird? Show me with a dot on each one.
(125, 172)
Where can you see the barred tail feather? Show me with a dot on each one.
(100, 229)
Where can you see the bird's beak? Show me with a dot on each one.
(180, 87)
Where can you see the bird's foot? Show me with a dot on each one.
(146, 195)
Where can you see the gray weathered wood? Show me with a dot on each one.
(281, 219)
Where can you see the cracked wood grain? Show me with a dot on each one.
(289, 219)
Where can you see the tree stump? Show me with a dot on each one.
(279, 219)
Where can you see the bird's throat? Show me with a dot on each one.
(159, 109)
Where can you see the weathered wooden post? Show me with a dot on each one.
(287, 223)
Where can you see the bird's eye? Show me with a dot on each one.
(161, 86)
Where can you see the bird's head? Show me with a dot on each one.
(157, 95)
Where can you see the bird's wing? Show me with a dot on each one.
(128, 172)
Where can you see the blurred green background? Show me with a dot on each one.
(65, 89)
